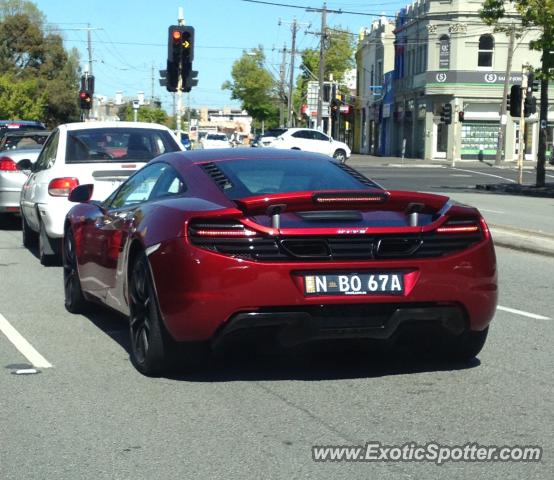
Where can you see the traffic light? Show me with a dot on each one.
(180, 54)
(515, 101)
(532, 84)
(335, 108)
(530, 106)
(461, 116)
(85, 99)
(446, 114)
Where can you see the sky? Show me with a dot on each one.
(129, 38)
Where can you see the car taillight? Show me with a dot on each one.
(460, 226)
(61, 187)
(209, 230)
(8, 165)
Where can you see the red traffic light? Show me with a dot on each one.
(176, 35)
(461, 116)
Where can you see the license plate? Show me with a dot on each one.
(354, 284)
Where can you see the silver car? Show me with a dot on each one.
(15, 147)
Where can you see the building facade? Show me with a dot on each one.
(374, 57)
(444, 54)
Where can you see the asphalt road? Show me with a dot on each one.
(254, 415)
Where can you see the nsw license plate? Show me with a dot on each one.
(354, 284)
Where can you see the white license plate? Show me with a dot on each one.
(390, 283)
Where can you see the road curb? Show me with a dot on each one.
(523, 240)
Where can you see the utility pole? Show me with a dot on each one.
(152, 96)
(521, 152)
(500, 147)
(322, 39)
(290, 116)
(282, 87)
(89, 48)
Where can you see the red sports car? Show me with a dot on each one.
(197, 248)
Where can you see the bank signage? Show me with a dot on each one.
(485, 78)
(444, 54)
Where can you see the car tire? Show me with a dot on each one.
(340, 155)
(151, 346)
(75, 301)
(466, 346)
(30, 237)
(47, 248)
(153, 351)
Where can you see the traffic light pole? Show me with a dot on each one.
(179, 92)
(521, 153)
(500, 147)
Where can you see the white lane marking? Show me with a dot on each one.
(490, 211)
(460, 175)
(482, 173)
(551, 176)
(522, 313)
(28, 351)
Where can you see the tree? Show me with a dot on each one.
(30, 52)
(538, 14)
(21, 99)
(339, 58)
(145, 113)
(255, 87)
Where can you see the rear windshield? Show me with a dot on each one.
(258, 177)
(274, 132)
(117, 145)
(28, 141)
(215, 136)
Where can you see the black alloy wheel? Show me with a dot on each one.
(75, 301)
(150, 344)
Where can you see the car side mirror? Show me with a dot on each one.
(81, 193)
(25, 164)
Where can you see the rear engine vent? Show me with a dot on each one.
(357, 175)
(217, 175)
(237, 240)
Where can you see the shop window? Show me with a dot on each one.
(486, 48)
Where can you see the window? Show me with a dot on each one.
(486, 47)
(47, 156)
(138, 188)
(261, 176)
(302, 134)
(117, 144)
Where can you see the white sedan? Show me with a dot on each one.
(215, 140)
(100, 153)
(312, 140)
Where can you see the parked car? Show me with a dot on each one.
(266, 139)
(312, 140)
(200, 248)
(14, 147)
(100, 153)
(215, 140)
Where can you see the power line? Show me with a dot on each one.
(318, 10)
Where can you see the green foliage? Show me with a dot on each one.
(534, 14)
(339, 58)
(21, 100)
(255, 87)
(145, 114)
(31, 54)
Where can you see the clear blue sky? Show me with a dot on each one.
(130, 37)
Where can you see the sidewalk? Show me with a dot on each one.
(508, 236)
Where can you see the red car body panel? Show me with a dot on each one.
(200, 290)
